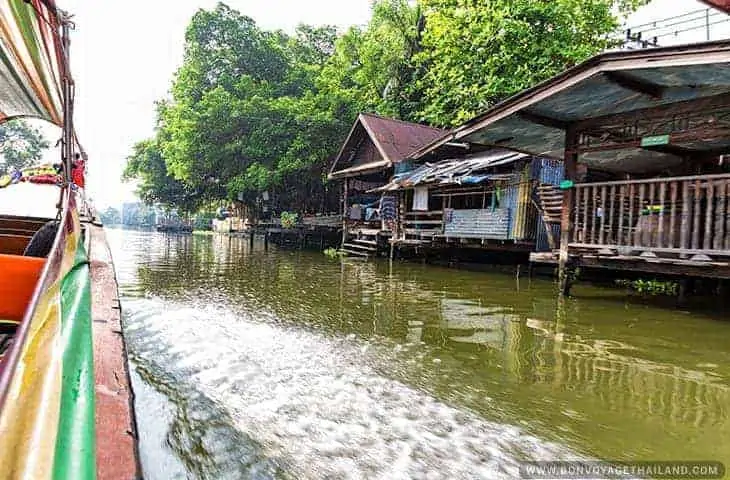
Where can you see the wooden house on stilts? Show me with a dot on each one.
(373, 152)
(645, 137)
(474, 198)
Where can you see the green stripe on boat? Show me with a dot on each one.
(75, 444)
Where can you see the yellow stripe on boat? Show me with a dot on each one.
(28, 423)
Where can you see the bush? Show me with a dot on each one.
(650, 287)
(332, 253)
(288, 219)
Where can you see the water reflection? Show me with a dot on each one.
(606, 378)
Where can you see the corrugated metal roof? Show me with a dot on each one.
(394, 139)
(455, 171)
(622, 82)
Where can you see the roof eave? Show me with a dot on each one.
(690, 54)
(360, 170)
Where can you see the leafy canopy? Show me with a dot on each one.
(21, 145)
(254, 110)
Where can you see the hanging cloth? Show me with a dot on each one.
(420, 199)
(388, 207)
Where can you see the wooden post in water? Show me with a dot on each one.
(344, 213)
(570, 162)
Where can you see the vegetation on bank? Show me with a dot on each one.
(255, 111)
(650, 287)
(332, 253)
(21, 145)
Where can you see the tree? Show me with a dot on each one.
(156, 185)
(254, 110)
(372, 69)
(111, 216)
(20, 145)
(244, 115)
(477, 53)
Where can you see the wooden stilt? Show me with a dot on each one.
(344, 213)
(685, 286)
(570, 162)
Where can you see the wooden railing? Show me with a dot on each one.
(684, 215)
(422, 224)
(327, 220)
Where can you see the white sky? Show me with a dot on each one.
(125, 53)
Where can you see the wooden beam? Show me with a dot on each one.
(542, 120)
(698, 135)
(658, 111)
(635, 84)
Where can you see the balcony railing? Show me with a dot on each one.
(683, 215)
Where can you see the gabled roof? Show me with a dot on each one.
(394, 140)
(626, 85)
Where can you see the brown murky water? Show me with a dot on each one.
(282, 364)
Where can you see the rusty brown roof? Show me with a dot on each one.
(394, 139)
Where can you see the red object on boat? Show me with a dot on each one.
(17, 283)
(77, 173)
(52, 179)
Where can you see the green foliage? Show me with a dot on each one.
(110, 216)
(156, 185)
(373, 69)
(21, 145)
(254, 110)
(477, 53)
(650, 287)
(332, 253)
(288, 219)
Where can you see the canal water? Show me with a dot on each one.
(286, 364)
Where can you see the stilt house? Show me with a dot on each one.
(645, 137)
(373, 152)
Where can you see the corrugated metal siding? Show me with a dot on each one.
(481, 223)
(551, 171)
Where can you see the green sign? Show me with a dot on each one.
(566, 185)
(655, 140)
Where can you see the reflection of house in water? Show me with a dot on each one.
(615, 374)
(466, 321)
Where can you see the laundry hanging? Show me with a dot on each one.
(420, 199)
